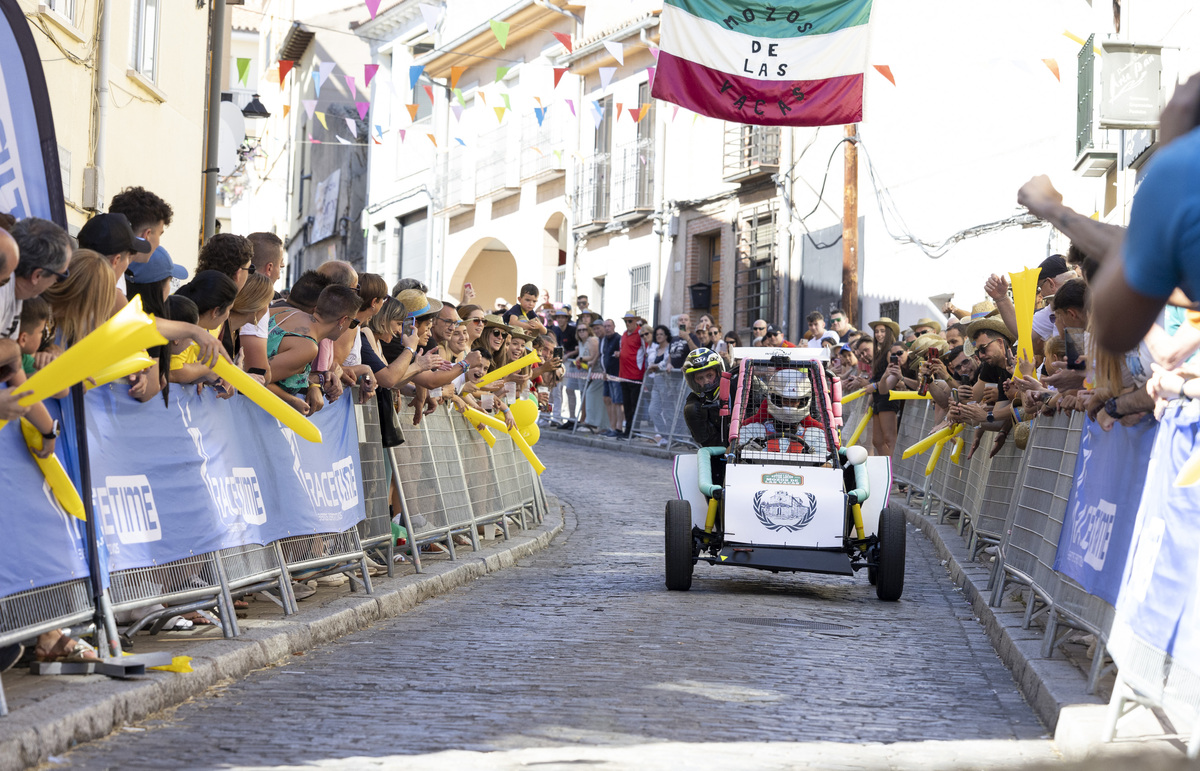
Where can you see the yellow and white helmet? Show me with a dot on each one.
(789, 395)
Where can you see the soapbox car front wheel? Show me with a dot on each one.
(889, 583)
(678, 532)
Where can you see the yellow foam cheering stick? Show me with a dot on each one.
(56, 476)
(508, 369)
(274, 406)
(129, 331)
(862, 426)
(928, 442)
(1024, 288)
(1190, 473)
(124, 368)
(957, 452)
(847, 398)
(477, 417)
(900, 396)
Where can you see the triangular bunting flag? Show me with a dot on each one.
(641, 113)
(571, 104)
(326, 68)
(500, 73)
(597, 113)
(457, 109)
(537, 150)
(1053, 65)
(563, 38)
(606, 76)
(616, 51)
(314, 141)
(363, 108)
(369, 71)
(500, 30)
(459, 140)
(321, 117)
(286, 109)
(651, 71)
(540, 114)
(482, 96)
(401, 132)
(309, 106)
(379, 131)
(558, 156)
(414, 74)
(353, 128)
(372, 7)
(431, 15)
(317, 82)
(458, 94)
(243, 67)
(538, 99)
(507, 106)
(885, 71)
(654, 52)
(350, 85)
(429, 93)
(620, 106)
(343, 140)
(433, 139)
(558, 73)
(633, 113)
(285, 66)
(455, 74)
(412, 111)
(499, 114)
(675, 114)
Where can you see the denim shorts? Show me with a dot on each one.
(612, 389)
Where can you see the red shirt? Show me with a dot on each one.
(633, 365)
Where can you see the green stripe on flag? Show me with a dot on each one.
(787, 19)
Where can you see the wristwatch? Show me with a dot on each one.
(990, 417)
(55, 430)
(1110, 407)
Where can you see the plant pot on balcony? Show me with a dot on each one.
(701, 296)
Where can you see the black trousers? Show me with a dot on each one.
(629, 395)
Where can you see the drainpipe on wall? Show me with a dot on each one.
(216, 42)
(93, 183)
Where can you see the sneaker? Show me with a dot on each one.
(663, 443)
(567, 425)
(334, 579)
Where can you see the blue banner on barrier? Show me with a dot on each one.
(206, 474)
(42, 544)
(1158, 594)
(1109, 475)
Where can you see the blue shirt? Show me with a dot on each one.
(1162, 245)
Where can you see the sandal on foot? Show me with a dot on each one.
(67, 649)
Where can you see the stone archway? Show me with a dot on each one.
(489, 266)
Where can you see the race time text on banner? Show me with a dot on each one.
(790, 64)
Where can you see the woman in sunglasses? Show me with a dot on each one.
(494, 340)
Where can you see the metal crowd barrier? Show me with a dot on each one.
(659, 409)
(1016, 502)
(450, 482)
(852, 415)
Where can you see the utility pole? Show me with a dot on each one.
(850, 228)
(216, 42)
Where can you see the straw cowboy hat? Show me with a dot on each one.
(933, 324)
(982, 310)
(886, 322)
(991, 323)
(492, 320)
(926, 342)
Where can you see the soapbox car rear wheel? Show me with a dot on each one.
(678, 532)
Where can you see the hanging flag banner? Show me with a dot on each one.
(309, 106)
(369, 71)
(458, 94)
(372, 7)
(352, 127)
(1053, 65)
(243, 68)
(620, 107)
(343, 140)
(30, 175)
(500, 73)
(285, 66)
(363, 107)
(457, 109)
(616, 51)
(500, 30)
(563, 38)
(504, 97)
(455, 74)
(321, 117)
(635, 113)
(286, 109)
(571, 105)
(433, 139)
(429, 93)
(885, 71)
(402, 133)
(432, 15)
(606, 76)
(414, 74)
(558, 73)
(499, 114)
(412, 111)
(650, 73)
(350, 85)
(459, 140)
(540, 114)
(766, 66)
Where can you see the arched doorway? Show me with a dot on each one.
(491, 270)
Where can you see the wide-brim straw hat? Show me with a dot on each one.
(925, 342)
(492, 320)
(994, 324)
(982, 310)
(933, 324)
(886, 322)
(433, 309)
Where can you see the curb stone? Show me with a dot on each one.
(33, 732)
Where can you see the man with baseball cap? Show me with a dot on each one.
(112, 236)
(158, 268)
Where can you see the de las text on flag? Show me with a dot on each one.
(796, 64)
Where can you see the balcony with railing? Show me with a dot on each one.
(633, 179)
(453, 182)
(750, 151)
(496, 174)
(591, 199)
(542, 148)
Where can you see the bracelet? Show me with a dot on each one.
(257, 371)
(1017, 414)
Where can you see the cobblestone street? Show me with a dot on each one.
(580, 655)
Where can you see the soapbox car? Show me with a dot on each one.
(784, 495)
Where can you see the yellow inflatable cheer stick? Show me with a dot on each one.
(129, 331)
(508, 369)
(1190, 473)
(900, 396)
(123, 368)
(933, 457)
(487, 435)
(847, 398)
(274, 406)
(928, 442)
(56, 476)
(957, 452)
(1024, 289)
(518, 440)
(862, 426)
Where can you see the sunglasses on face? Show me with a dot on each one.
(353, 322)
(498, 333)
(760, 329)
(249, 268)
(58, 276)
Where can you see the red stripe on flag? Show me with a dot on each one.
(828, 102)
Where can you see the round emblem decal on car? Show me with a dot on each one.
(779, 510)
